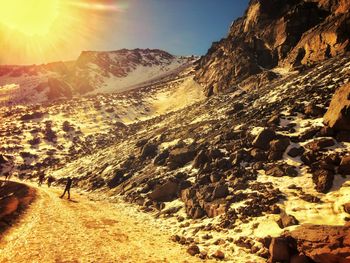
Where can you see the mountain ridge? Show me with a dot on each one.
(93, 71)
(271, 34)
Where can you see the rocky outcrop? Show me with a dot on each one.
(312, 243)
(273, 34)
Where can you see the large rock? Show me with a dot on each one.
(179, 157)
(165, 192)
(287, 220)
(323, 244)
(201, 159)
(338, 114)
(279, 250)
(149, 150)
(344, 167)
(323, 180)
(263, 139)
(3, 160)
(347, 208)
(193, 250)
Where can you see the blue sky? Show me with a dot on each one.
(182, 27)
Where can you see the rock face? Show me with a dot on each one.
(312, 243)
(275, 33)
(338, 114)
(324, 244)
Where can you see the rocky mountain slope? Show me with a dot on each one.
(92, 72)
(275, 35)
(227, 174)
(258, 174)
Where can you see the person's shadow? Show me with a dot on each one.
(73, 201)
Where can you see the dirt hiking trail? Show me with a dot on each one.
(59, 230)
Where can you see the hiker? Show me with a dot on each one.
(50, 180)
(67, 189)
(7, 176)
(41, 178)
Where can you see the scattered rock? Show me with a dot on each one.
(218, 254)
(193, 250)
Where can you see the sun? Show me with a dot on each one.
(30, 17)
(43, 31)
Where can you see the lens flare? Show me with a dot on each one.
(38, 31)
(112, 7)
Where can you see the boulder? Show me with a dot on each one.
(3, 160)
(160, 159)
(323, 180)
(220, 191)
(258, 154)
(295, 152)
(218, 254)
(309, 157)
(320, 144)
(275, 171)
(193, 250)
(32, 116)
(117, 179)
(216, 208)
(280, 170)
(149, 150)
(263, 139)
(201, 159)
(347, 208)
(344, 167)
(179, 157)
(279, 145)
(338, 114)
(165, 192)
(312, 110)
(287, 220)
(323, 244)
(279, 250)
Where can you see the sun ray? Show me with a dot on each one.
(37, 31)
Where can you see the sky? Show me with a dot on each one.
(41, 31)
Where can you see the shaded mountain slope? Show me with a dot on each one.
(274, 34)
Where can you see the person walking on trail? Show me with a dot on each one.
(50, 180)
(67, 188)
(41, 179)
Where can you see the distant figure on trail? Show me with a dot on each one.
(50, 180)
(41, 179)
(67, 189)
(7, 176)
